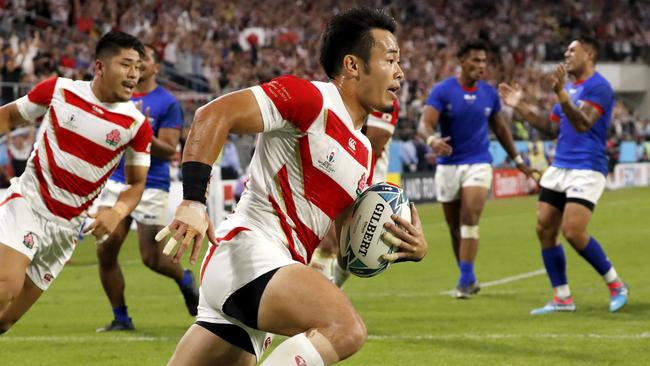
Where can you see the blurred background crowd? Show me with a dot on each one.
(213, 47)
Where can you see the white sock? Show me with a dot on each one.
(611, 275)
(294, 350)
(340, 274)
(323, 263)
(563, 292)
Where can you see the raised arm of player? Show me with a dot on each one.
(426, 129)
(237, 112)
(513, 96)
(10, 117)
(500, 127)
(581, 118)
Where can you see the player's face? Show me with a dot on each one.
(148, 68)
(575, 58)
(379, 81)
(120, 74)
(474, 64)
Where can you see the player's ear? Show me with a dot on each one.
(351, 66)
(99, 67)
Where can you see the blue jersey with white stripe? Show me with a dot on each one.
(165, 112)
(464, 116)
(585, 150)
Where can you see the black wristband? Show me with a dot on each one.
(196, 177)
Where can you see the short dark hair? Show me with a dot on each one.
(349, 33)
(114, 41)
(473, 45)
(587, 40)
(157, 57)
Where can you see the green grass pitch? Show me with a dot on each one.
(411, 318)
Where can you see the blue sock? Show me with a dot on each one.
(594, 254)
(187, 280)
(121, 314)
(555, 263)
(466, 273)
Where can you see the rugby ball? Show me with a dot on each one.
(361, 241)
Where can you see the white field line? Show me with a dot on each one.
(505, 280)
(373, 337)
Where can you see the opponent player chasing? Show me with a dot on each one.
(87, 127)
(254, 277)
(465, 106)
(166, 119)
(575, 181)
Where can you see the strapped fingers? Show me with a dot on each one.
(187, 239)
(392, 257)
(391, 240)
(163, 233)
(169, 247)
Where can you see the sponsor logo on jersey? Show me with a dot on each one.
(28, 240)
(352, 144)
(113, 138)
(300, 361)
(469, 98)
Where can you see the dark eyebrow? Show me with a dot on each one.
(392, 50)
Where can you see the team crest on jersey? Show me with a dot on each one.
(362, 184)
(47, 278)
(113, 138)
(267, 343)
(28, 240)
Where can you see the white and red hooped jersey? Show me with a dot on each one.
(387, 122)
(309, 163)
(80, 142)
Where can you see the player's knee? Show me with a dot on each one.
(469, 232)
(5, 325)
(574, 235)
(151, 260)
(106, 256)
(348, 337)
(8, 292)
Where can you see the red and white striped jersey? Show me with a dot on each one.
(79, 144)
(309, 163)
(387, 122)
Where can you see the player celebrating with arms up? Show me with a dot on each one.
(575, 181)
(310, 163)
(87, 127)
(465, 106)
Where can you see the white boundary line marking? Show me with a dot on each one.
(504, 280)
(373, 337)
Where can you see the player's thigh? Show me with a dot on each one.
(110, 248)
(13, 265)
(451, 211)
(321, 304)
(200, 347)
(472, 203)
(149, 247)
(19, 306)
(575, 221)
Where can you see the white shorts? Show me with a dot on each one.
(243, 254)
(151, 210)
(575, 183)
(48, 246)
(451, 178)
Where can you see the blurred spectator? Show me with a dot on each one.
(20, 143)
(229, 163)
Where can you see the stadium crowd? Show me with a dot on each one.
(215, 47)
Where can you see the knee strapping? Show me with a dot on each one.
(469, 232)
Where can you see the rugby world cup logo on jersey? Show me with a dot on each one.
(327, 164)
(113, 138)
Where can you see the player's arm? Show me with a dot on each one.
(378, 138)
(164, 145)
(502, 132)
(581, 118)
(10, 117)
(426, 130)
(513, 96)
(236, 112)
